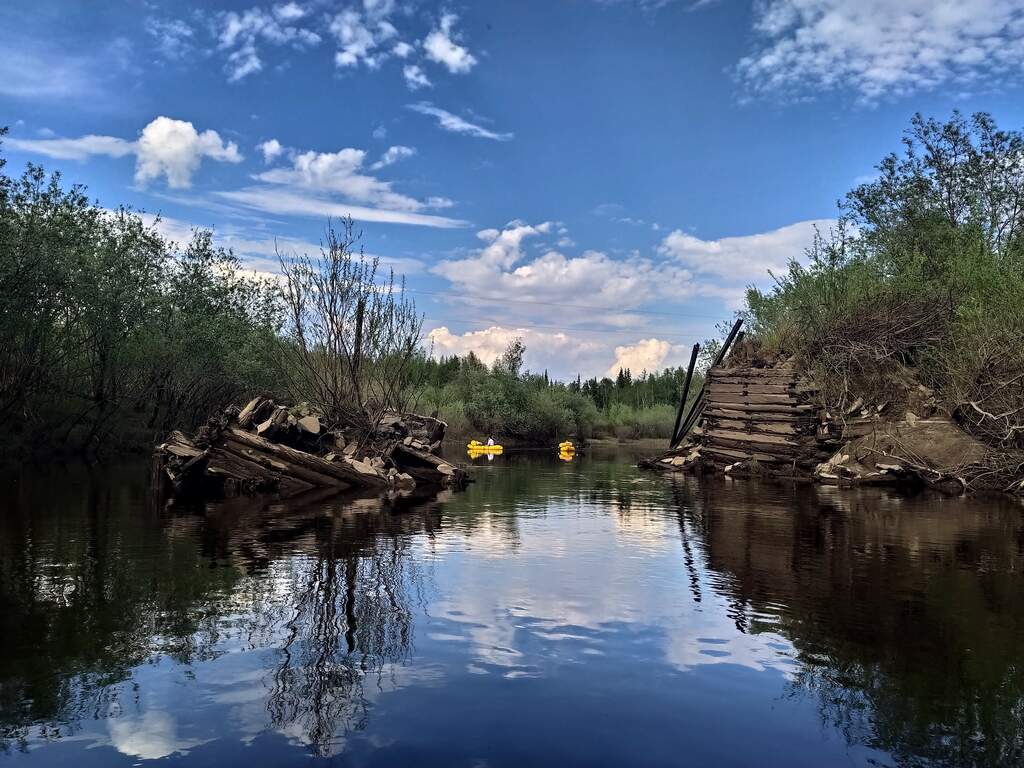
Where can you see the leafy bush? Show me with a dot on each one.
(925, 271)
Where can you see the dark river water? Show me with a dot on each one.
(555, 613)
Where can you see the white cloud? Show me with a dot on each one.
(500, 275)
(745, 259)
(242, 33)
(165, 147)
(341, 172)
(563, 353)
(440, 46)
(392, 156)
(294, 203)
(541, 347)
(289, 12)
(362, 36)
(271, 150)
(174, 149)
(415, 78)
(646, 355)
(455, 124)
(882, 48)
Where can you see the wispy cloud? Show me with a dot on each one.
(392, 156)
(881, 48)
(454, 124)
(292, 203)
(37, 74)
(241, 35)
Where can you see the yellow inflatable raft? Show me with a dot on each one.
(475, 446)
(566, 447)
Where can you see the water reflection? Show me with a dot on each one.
(615, 617)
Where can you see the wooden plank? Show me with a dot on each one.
(800, 454)
(245, 416)
(796, 417)
(773, 408)
(733, 397)
(754, 389)
(733, 455)
(753, 425)
(788, 451)
(229, 462)
(753, 437)
(272, 465)
(306, 462)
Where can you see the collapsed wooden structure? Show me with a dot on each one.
(763, 415)
(268, 447)
(755, 418)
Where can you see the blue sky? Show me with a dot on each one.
(600, 178)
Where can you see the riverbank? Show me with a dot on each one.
(904, 323)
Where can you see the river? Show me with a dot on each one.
(555, 613)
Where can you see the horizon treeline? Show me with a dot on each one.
(505, 400)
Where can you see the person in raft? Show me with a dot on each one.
(490, 441)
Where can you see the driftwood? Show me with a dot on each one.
(266, 447)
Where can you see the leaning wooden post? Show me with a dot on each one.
(682, 400)
(698, 404)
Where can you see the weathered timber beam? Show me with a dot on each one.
(283, 467)
(754, 425)
(733, 397)
(305, 465)
(734, 455)
(716, 434)
(766, 408)
(753, 389)
(427, 466)
(800, 454)
(795, 417)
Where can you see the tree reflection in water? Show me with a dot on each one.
(350, 620)
(345, 620)
(905, 612)
(91, 590)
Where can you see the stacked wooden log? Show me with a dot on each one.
(755, 419)
(268, 447)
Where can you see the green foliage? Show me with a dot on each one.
(106, 327)
(509, 403)
(925, 271)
